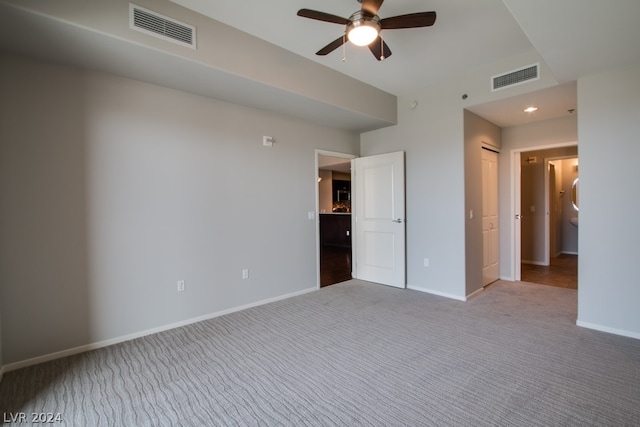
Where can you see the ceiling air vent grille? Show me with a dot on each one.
(161, 26)
(516, 77)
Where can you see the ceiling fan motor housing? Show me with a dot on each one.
(367, 28)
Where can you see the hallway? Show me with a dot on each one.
(562, 273)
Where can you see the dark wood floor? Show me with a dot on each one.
(335, 265)
(563, 272)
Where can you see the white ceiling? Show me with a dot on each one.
(574, 37)
(466, 33)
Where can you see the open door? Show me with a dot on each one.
(379, 220)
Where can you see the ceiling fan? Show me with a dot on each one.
(363, 27)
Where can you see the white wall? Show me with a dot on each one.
(115, 189)
(609, 129)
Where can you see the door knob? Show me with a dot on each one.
(399, 220)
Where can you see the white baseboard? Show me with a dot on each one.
(528, 261)
(434, 292)
(609, 330)
(93, 346)
(473, 294)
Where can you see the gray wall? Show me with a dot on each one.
(478, 133)
(432, 135)
(115, 189)
(609, 128)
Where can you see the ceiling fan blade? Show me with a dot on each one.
(321, 16)
(331, 46)
(412, 20)
(371, 6)
(380, 49)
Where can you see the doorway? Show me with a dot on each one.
(545, 237)
(377, 251)
(334, 217)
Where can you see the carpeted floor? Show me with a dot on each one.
(354, 354)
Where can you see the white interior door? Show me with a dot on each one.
(379, 219)
(551, 218)
(490, 236)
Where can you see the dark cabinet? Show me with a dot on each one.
(341, 190)
(341, 196)
(335, 230)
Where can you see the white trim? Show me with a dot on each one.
(93, 346)
(609, 330)
(547, 210)
(516, 188)
(528, 261)
(516, 210)
(438, 293)
(473, 294)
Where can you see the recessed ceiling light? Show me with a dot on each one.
(530, 109)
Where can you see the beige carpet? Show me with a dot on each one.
(354, 354)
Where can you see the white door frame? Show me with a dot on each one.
(516, 196)
(317, 212)
(547, 211)
(494, 151)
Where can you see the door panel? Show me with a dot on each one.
(379, 244)
(490, 236)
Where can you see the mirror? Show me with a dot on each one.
(574, 194)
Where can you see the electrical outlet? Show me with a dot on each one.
(180, 285)
(426, 262)
(245, 273)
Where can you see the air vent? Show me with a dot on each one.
(161, 26)
(516, 77)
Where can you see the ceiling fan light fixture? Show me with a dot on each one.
(363, 30)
